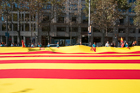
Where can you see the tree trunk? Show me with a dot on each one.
(103, 35)
(19, 37)
(7, 30)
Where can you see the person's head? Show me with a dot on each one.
(107, 42)
(48, 43)
(80, 43)
(57, 42)
(94, 43)
(126, 43)
(135, 42)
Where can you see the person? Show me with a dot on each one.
(80, 43)
(32, 45)
(93, 47)
(12, 44)
(57, 45)
(112, 45)
(122, 44)
(48, 45)
(23, 45)
(107, 44)
(29, 45)
(126, 45)
(38, 45)
(0, 44)
(115, 45)
(134, 43)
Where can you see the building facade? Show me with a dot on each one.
(69, 28)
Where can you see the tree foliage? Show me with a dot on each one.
(137, 11)
(105, 13)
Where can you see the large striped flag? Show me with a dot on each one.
(48, 72)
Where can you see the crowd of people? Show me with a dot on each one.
(121, 44)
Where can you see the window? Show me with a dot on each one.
(33, 17)
(131, 39)
(73, 29)
(73, 7)
(131, 21)
(26, 17)
(22, 27)
(97, 39)
(61, 28)
(14, 7)
(84, 19)
(9, 27)
(96, 30)
(132, 1)
(15, 27)
(121, 30)
(60, 19)
(131, 10)
(26, 27)
(121, 21)
(3, 27)
(14, 17)
(10, 17)
(84, 29)
(132, 30)
(3, 39)
(44, 28)
(83, 6)
(44, 6)
(22, 17)
(46, 18)
(15, 39)
(49, 7)
(34, 27)
(110, 30)
(73, 19)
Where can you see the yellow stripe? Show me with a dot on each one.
(66, 54)
(68, 66)
(72, 58)
(68, 86)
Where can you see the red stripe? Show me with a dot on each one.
(68, 61)
(74, 56)
(70, 74)
(48, 52)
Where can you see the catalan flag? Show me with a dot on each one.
(121, 40)
(105, 71)
(23, 45)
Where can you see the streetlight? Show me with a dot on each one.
(89, 27)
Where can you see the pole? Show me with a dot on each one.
(89, 32)
(70, 24)
(7, 30)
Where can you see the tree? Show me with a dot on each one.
(19, 6)
(37, 8)
(137, 11)
(105, 13)
(6, 8)
(74, 9)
